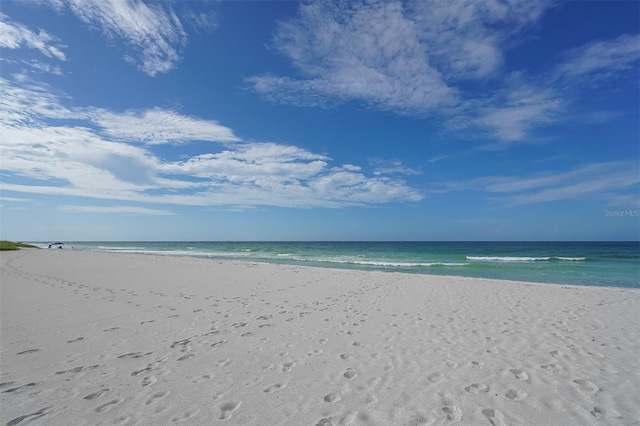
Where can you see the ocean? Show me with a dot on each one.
(615, 264)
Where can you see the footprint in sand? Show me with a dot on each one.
(557, 354)
(520, 375)
(157, 397)
(223, 362)
(287, 366)
(454, 414)
(148, 381)
(605, 413)
(107, 406)
(95, 395)
(350, 373)
(477, 388)
(186, 357)
(274, 388)
(28, 351)
(134, 355)
(204, 378)
(185, 416)
(33, 416)
(450, 409)
(332, 397)
(586, 386)
(552, 367)
(516, 394)
(78, 369)
(496, 418)
(436, 377)
(227, 409)
(138, 372)
(20, 388)
(446, 398)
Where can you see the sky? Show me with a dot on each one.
(432, 120)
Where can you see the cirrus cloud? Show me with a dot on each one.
(14, 35)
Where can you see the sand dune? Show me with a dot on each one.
(100, 339)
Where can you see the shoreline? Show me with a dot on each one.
(429, 275)
(594, 264)
(114, 338)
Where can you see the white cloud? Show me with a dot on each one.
(364, 52)
(153, 31)
(160, 126)
(96, 153)
(14, 35)
(404, 57)
(465, 38)
(29, 103)
(252, 162)
(114, 210)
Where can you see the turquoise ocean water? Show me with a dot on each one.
(614, 264)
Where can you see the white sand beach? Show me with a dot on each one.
(99, 338)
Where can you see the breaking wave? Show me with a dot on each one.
(525, 259)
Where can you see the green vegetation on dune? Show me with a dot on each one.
(9, 245)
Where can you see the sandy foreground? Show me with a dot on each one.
(100, 338)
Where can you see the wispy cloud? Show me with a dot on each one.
(405, 57)
(600, 60)
(14, 35)
(15, 199)
(368, 52)
(608, 180)
(159, 126)
(517, 108)
(151, 34)
(115, 210)
(392, 167)
(431, 59)
(152, 31)
(97, 153)
(206, 21)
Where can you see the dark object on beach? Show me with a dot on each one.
(56, 244)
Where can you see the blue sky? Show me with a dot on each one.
(377, 120)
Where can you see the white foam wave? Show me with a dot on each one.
(116, 248)
(384, 263)
(522, 258)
